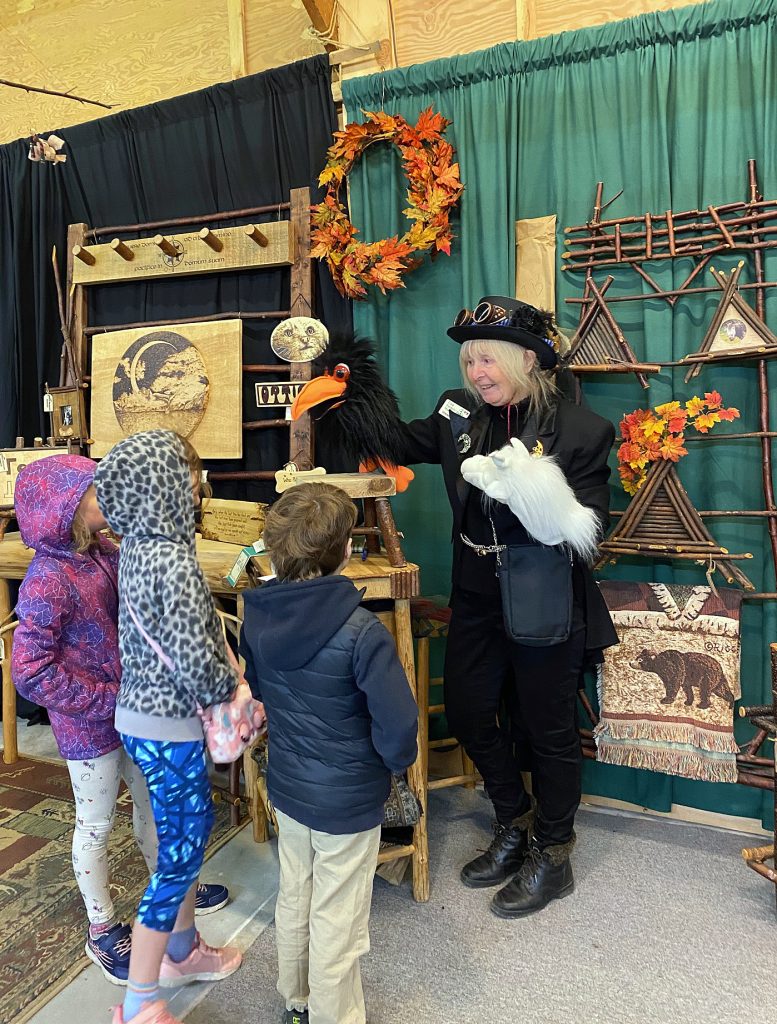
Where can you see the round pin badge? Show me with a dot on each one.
(299, 339)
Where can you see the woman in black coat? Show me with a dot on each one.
(507, 350)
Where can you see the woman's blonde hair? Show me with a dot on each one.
(535, 384)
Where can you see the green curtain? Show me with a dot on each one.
(667, 107)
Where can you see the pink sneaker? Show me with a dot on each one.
(155, 1013)
(204, 963)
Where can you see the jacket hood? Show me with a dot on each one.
(46, 497)
(144, 487)
(291, 622)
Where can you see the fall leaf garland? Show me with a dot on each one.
(434, 189)
(653, 434)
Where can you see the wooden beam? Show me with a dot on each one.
(320, 14)
(237, 38)
(352, 53)
(526, 19)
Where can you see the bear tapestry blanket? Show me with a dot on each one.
(667, 691)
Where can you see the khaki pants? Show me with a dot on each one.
(321, 919)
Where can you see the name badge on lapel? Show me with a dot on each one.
(449, 407)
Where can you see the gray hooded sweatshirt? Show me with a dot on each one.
(144, 491)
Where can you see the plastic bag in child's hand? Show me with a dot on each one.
(230, 726)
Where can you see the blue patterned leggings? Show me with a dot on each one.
(179, 788)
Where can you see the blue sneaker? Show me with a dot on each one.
(210, 898)
(111, 952)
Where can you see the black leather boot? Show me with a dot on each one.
(544, 876)
(502, 858)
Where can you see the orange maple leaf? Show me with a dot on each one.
(694, 406)
(429, 125)
(672, 449)
(713, 400)
(729, 414)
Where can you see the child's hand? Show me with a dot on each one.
(242, 690)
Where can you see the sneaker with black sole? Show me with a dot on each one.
(111, 952)
(295, 1017)
(210, 898)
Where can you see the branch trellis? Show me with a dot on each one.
(749, 227)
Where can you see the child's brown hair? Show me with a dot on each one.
(195, 465)
(307, 529)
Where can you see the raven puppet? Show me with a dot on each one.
(354, 409)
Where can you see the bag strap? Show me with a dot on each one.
(166, 661)
(498, 548)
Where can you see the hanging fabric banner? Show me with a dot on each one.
(667, 691)
(535, 261)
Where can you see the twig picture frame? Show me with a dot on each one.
(68, 415)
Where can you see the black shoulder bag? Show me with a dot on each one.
(535, 582)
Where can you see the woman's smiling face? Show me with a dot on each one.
(489, 380)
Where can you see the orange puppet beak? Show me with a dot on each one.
(316, 391)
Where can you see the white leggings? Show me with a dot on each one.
(95, 788)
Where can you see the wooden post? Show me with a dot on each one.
(301, 437)
(10, 750)
(237, 38)
(76, 299)
(415, 773)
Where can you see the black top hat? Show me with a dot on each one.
(500, 318)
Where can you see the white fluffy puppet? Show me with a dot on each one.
(537, 493)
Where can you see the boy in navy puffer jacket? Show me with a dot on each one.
(341, 718)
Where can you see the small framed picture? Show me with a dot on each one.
(68, 419)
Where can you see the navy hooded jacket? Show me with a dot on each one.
(340, 713)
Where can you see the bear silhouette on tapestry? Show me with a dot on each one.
(686, 671)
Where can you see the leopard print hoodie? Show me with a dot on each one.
(144, 491)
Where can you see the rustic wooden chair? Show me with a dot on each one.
(431, 618)
(764, 717)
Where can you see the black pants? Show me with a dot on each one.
(485, 671)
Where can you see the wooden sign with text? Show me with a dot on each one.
(277, 392)
(196, 252)
(14, 459)
(233, 522)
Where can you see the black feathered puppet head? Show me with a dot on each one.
(354, 406)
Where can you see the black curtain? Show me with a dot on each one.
(231, 146)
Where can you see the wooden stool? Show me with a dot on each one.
(431, 620)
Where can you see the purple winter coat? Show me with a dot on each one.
(66, 647)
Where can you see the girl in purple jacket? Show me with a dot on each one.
(66, 658)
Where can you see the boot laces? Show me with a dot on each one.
(500, 831)
(532, 862)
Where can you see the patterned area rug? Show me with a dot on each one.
(667, 691)
(42, 919)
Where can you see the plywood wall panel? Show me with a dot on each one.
(550, 16)
(128, 54)
(427, 29)
(276, 34)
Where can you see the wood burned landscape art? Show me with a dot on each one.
(185, 378)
